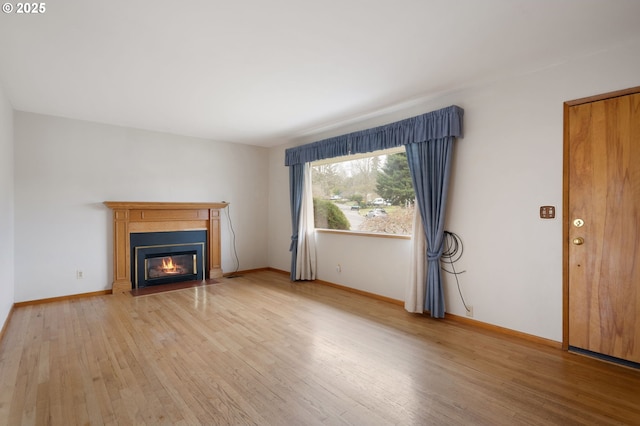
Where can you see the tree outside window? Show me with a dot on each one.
(366, 193)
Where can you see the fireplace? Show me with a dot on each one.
(167, 257)
(135, 217)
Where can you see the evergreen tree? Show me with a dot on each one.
(393, 183)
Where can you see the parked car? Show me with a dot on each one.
(355, 207)
(377, 213)
(378, 202)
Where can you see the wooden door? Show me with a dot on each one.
(602, 225)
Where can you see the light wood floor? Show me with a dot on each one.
(261, 350)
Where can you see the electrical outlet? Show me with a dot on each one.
(79, 274)
(339, 268)
(469, 311)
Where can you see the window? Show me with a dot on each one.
(366, 192)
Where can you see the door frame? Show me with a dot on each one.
(566, 163)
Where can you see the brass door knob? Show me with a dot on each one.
(578, 241)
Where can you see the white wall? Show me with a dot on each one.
(65, 169)
(508, 164)
(6, 208)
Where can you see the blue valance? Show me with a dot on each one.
(446, 122)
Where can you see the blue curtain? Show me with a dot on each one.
(430, 126)
(296, 184)
(430, 167)
(428, 139)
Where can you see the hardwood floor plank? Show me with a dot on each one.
(260, 350)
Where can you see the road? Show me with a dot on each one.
(355, 218)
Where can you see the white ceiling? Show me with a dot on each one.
(263, 72)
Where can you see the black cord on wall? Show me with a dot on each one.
(234, 274)
(452, 252)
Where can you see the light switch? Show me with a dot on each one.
(547, 212)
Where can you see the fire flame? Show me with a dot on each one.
(168, 266)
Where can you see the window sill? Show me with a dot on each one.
(363, 234)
